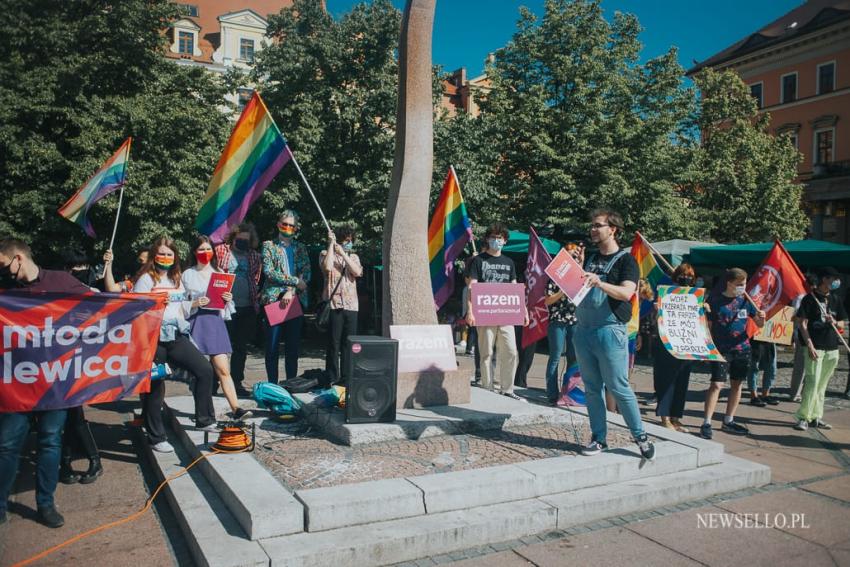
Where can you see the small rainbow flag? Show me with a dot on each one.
(653, 275)
(254, 154)
(448, 233)
(110, 176)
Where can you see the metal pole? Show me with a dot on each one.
(309, 190)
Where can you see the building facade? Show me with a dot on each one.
(460, 93)
(798, 68)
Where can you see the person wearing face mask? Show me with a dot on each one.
(162, 274)
(728, 316)
(493, 267)
(77, 264)
(341, 267)
(821, 313)
(207, 327)
(286, 267)
(671, 375)
(19, 271)
(238, 255)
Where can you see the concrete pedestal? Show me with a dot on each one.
(431, 388)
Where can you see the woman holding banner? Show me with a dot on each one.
(286, 267)
(161, 274)
(670, 375)
(207, 327)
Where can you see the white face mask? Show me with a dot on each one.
(740, 290)
(496, 244)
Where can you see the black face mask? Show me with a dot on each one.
(685, 280)
(242, 245)
(7, 278)
(85, 275)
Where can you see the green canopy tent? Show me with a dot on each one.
(807, 254)
(518, 244)
(675, 250)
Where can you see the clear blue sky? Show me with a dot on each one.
(465, 31)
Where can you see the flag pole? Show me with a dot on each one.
(824, 314)
(120, 201)
(457, 180)
(649, 245)
(309, 190)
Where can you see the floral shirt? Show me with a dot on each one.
(346, 294)
(282, 268)
(563, 310)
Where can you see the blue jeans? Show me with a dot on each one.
(560, 336)
(764, 359)
(291, 349)
(603, 356)
(13, 432)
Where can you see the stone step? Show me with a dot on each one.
(263, 506)
(407, 539)
(214, 537)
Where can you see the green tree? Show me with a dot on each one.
(332, 88)
(744, 176)
(76, 79)
(579, 123)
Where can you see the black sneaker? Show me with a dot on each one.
(758, 402)
(651, 401)
(705, 431)
(593, 448)
(50, 517)
(239, 414)
(735, 428)
(819, 424)
(241, 392)
(770, 400)
(647, 447)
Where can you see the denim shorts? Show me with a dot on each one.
(736, 367)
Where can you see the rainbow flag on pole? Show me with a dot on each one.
(448, 233)
(110, 176)
(254, 154)
(654, 275)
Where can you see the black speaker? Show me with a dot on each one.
(371, 368)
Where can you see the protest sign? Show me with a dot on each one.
(497, 304)
(64, 350)
(424, 347)
(778, 329)
(682, 325)
(220, 283)
(277, 314)
(535, 281)
(568, 275)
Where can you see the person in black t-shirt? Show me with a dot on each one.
(821, 313)
(492, 267)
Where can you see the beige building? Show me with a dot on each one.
(460, 93)
(798, 68)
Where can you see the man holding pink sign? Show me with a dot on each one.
(496, 304)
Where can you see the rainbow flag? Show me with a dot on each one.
(110, 176)
(448, 233)
(254, 154)
(654, 275)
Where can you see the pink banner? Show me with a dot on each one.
(498, 304)
(535, 287)
(568, 275)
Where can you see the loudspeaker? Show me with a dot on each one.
(371, 367)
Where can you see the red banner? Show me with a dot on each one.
(535, 289)
(62, 350)
(778, 281)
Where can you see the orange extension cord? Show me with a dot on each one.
(233, 439)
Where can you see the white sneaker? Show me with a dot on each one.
(513, 396)
(802, 425)
(163, 447)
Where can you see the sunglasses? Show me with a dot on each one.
(286, 225)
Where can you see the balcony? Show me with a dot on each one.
(831, 169)
(827, 182)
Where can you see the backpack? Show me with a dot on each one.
(275, 398)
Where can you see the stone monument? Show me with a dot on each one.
(407, 296)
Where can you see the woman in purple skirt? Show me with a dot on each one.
(208, 330)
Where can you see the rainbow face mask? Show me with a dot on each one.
(287, 230)
(163, 262)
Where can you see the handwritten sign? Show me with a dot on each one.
(424, 347)
(497, 304)
(778, 329)
(682, 325)
(568, 275)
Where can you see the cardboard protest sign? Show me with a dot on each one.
(568, 275)
(682, 325)
(778, 329)
(497, 304)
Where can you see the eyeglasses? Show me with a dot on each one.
(599, 225)
(286, 225)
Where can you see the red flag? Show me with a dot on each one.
(778, 281)
(535, 291)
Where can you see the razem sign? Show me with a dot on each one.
(424, 347)
(497, 304)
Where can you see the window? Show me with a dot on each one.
(795, 140)
(824, 146)
(789, 87)
(756, 92)
(826, 77)
(189, 10)
(246, 50)
(244, 96)
(186, 43)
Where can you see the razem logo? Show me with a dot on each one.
(497, 304)
(768, 288)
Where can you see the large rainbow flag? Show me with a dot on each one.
(448, 233)
(654, 275)
(110, 176)
(254, 154)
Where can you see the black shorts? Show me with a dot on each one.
(736, 367)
